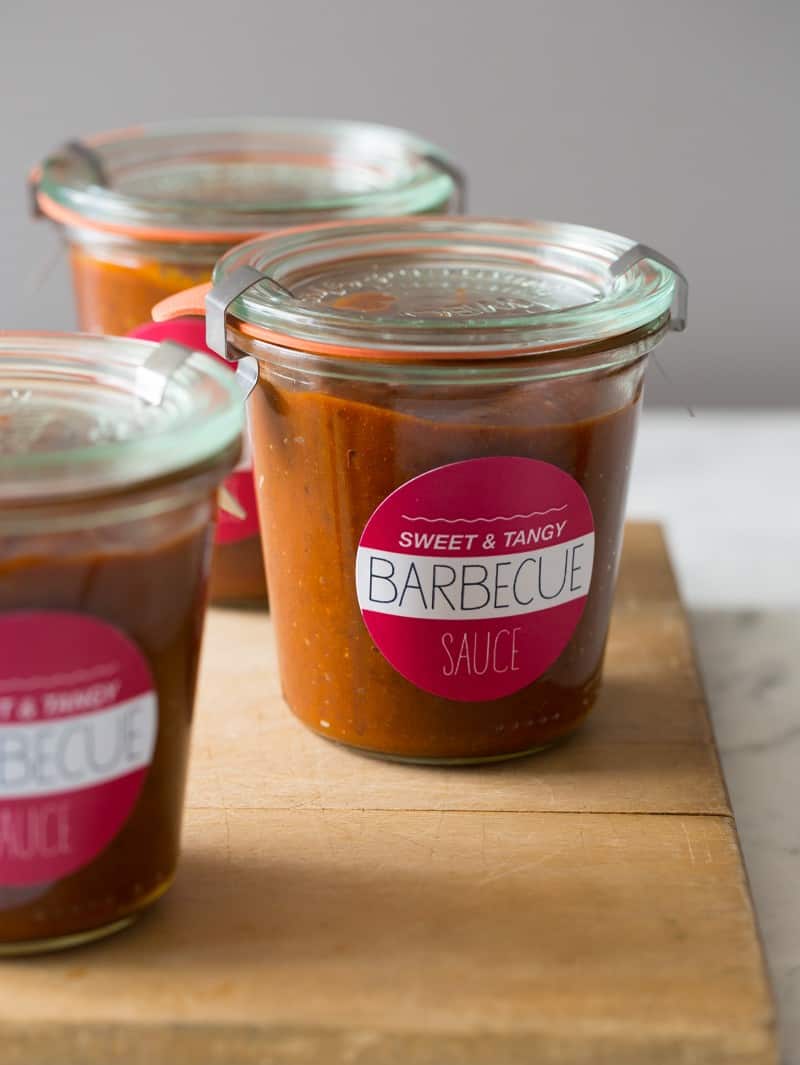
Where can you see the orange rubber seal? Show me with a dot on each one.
(67, 217)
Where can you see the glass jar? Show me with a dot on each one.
(443, 427)
(146, 212)
(112, 452)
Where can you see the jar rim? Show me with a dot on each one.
(440, 288)
(79, 420)
(440, 376)
(224, 180)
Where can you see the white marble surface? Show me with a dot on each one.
(727, 488)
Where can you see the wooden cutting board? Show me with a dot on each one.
(587, 905)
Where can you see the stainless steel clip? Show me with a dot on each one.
(78, 150)
(680, 304)
(456, 175)
(153, 376)
(219, 298)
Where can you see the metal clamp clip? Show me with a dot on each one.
(222, 295)
(83, 153)
(153, 376)
(456, 175)
(680, 305)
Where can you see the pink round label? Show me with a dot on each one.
(472, 577)
(78, 726)
(243, 523)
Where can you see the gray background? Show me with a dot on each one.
(672, 123)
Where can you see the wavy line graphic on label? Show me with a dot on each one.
(497, 517)
(78, 676)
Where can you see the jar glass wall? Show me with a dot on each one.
(144, 575)
(331, 446)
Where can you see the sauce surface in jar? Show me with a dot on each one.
(443, 430)
(147, 212)
(108, 502)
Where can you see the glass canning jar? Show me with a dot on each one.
(146, 212)
(111, 455)
(443, 427)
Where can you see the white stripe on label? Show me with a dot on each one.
(478, 587)
(49, 757)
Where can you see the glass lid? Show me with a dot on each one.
(228, 178)
(442, 287)
(79, 414)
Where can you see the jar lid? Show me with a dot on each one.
(443, 288)
(226, 179)
(83, 415)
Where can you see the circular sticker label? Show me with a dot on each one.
(240, 522)
(78, 726)
(472, 577)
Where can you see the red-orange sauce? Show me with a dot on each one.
(329, 458)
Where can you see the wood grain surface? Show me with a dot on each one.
(586, 905)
